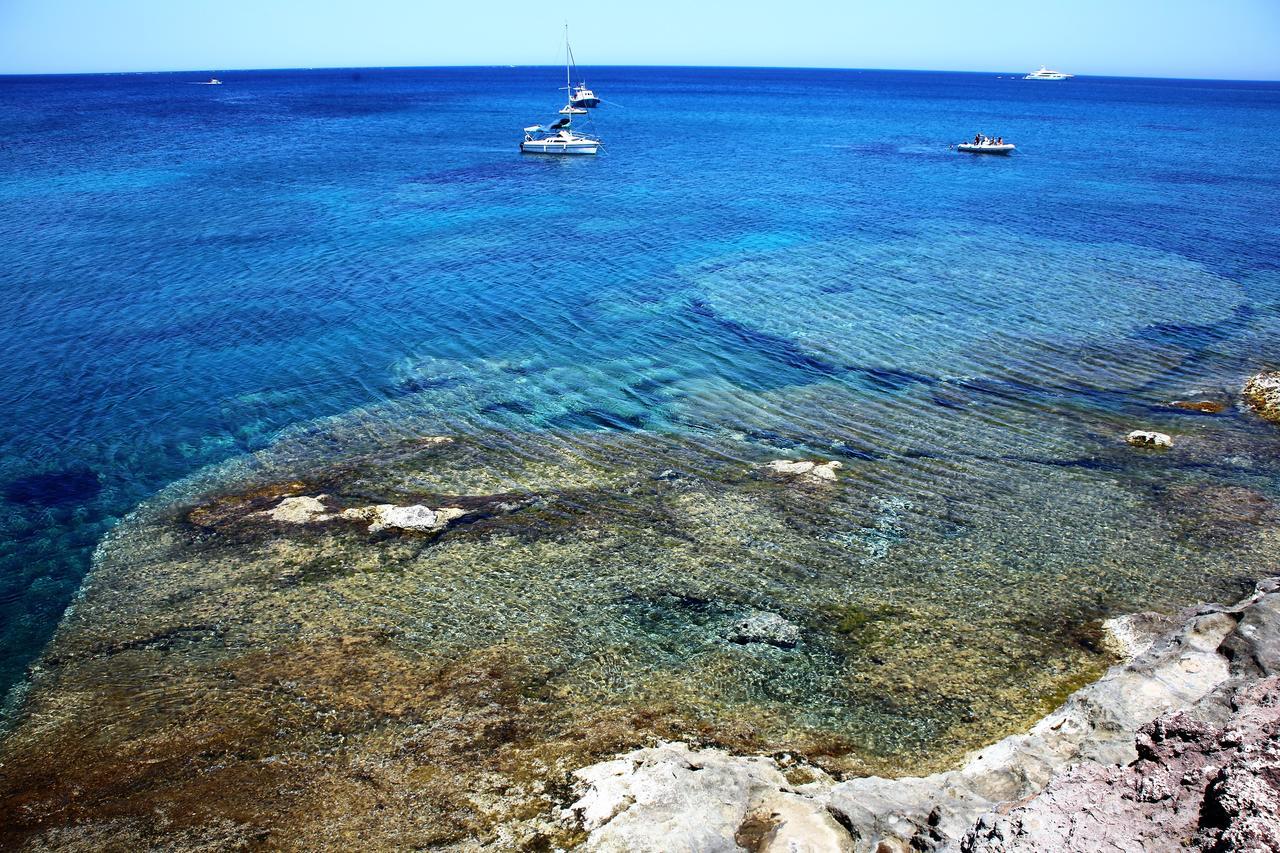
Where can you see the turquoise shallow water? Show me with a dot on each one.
(792, 258)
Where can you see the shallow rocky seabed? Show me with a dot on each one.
(246, 668)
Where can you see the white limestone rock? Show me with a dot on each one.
(1148, 438)
(413, 517)
(1128, 636)
(673, 799)
(301, 509)
(824, 471)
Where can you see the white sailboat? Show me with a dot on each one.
(559, 137)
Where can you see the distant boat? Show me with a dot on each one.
(559, 138)
(212, 81)
(583, 97)
(579, 96)
(1047, 74)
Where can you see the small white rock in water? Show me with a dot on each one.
(818, 471)
(760, 626)
(302, 509)
(413, 517)
(1148, 438)
(826, 471)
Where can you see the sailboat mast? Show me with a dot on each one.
(568, 86)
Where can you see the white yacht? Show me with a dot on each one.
(1047, 74)
(559, 137)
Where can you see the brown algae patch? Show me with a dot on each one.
(237, 677)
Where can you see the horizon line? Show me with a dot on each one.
(627, 65)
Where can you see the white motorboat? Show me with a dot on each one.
(571, 110)
(986, 147)
(1047, 74)
(583, 97)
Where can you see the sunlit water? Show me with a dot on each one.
(763, 264)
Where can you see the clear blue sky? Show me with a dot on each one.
(1162, 38)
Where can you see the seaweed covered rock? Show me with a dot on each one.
(1262, 393)
(1204, 407)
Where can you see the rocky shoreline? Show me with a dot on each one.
(1176, 748)
(655, 641)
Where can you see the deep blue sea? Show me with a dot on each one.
(188, 270)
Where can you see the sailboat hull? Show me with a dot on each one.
(553, 146)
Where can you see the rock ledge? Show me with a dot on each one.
(1185, 732)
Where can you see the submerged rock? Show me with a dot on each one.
(304, 509)
(300, 510)
(415, 517)
(1204, 407)
(761, 627)
(1262, 393)
(805, 468)
(1148, 438)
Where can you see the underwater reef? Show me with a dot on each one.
(395, 639)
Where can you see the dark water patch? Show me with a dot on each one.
(809, 444)
(776, 348)
(510, 407)
(54, 488)
(1084, 463)
(487, 171)
(888, 379)
(1197, 335)
(948, 401)
(420, 384)
(1203, 179)
(860, 452)
(591, 420)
